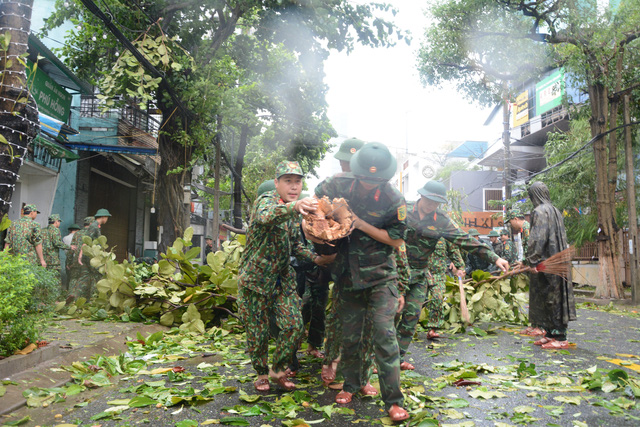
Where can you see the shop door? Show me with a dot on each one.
(115, 197)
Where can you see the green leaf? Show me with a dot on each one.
(141, 401)
(187, 423)
(234, 421)
(17, 422)
(192, 253)
(167, 319)
(618, 376)
(188, 234)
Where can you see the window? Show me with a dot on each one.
(492, 194)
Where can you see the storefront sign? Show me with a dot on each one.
(549, 92)
(521, 109)
(484, 222)
(52, 99)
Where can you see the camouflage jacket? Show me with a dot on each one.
(93, 231)
(524, 235)
(423, 235)
(443, 254)
(72, 255)
(51, 245)
(273, 235)
(402, 266)
(23, 236)
(509, 251)
(365, 261)
(498, 248)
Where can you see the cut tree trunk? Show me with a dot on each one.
(18, 112)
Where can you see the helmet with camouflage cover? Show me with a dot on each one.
(288, 167)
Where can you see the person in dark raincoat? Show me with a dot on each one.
(551, 301)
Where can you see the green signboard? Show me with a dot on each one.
(550, 91)
(52, 99)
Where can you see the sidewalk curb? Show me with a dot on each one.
(40, 375)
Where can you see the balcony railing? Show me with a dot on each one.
(90, 106)
(40, 155)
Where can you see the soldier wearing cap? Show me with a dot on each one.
(266, 280)
(368, 272)
(52, 243)
(72, 229)
(24, 236)
(71, 264)
(515, 219)
(208, 248)
(426, 225)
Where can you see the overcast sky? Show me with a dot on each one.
(376, 95)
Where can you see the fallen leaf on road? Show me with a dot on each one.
(28, 349)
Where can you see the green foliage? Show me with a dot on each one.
(175, 290)
(487, 300)
(27, 294)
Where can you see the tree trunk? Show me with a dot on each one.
(237, 183)
(610, 285)
(18, 112)
(173, 213)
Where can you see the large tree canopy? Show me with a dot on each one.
(485, 45)
(221, 72)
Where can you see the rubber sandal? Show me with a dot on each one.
(542, 340)
(343, 397)
(316, 353)
(526, 331)
(536, 332)
(369, 390)
(397, 413)
(290, 374)
(406, 366)
(556, 345)
(327, 375)
(432, 334)
(284, 382)
(260, 384)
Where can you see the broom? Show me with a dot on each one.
(464, 311)
(558, 264)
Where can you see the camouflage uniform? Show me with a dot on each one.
(369, 280)
(51, 245)
(423, 235)
(508, 251)
(84, 277)
(438, 264)
(23, 236)
(267, 281)
(524, 235)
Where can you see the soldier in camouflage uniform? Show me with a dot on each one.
(87, 276)
(496, 243)
(445, 254)
(24, 237)
(508, 250)
(426, 225)
(473, 261)
(266, 280)
(52, 243)
(333, 326)
(515, 218)
(71, 264)
(367, 271)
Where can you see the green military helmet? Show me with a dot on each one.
(494, 233)
(348, 148)
(288, 167)
(374, 161)
(53, 218)
(88, 220)
(208, 238)
(267, 185)
(27, 209)
(504, 232)
(102, 212)
(73, 227)
(513, 214)
(473, 232)
(434, 190)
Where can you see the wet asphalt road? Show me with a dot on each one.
(598, 336)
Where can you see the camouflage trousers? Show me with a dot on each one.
(255, 310)
(333, 342)
(435, 300)
(379, 303)
(82, 281)
(413, 300)
(314, 304)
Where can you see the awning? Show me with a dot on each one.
(55, 128)
(56, 150)
(103, 148)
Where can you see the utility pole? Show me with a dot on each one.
(631, 206)
(506, 141)
(216, 198)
